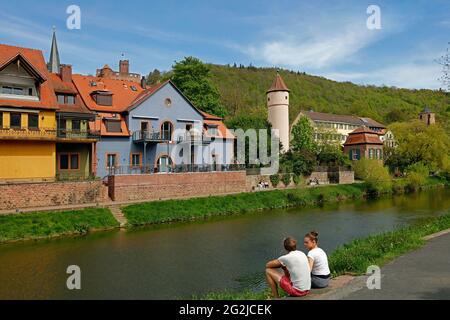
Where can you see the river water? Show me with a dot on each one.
(176, 261)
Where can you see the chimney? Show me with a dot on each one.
(143, 83)
(124, 67)
(65, 71)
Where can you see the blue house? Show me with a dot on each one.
(152, 130)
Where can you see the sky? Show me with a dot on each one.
(324, 38)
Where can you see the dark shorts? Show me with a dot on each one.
(286, 285)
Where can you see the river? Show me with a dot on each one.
(176, 261)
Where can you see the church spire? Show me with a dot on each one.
(54, 62)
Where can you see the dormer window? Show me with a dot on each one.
(103, 98)
(66, 99)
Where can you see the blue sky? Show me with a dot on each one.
(326, 38)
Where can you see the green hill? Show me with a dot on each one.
(243, 89)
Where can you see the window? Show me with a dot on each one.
(103, 99)
(113, 126)
(371, 153)
(166, 131)
(30, 91)
(15, 120)
(355, 154)
(144, 126)
(69, 161)
(7, 90)
(70, 100)
(212, 131)
(61, 99)
(164, 164)
(33, 121)
(136, 160)
(111, 160)
(168, 102)
(18, 91)
(1, 119)
(74, 161)
(76, 125)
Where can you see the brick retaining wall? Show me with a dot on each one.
(170, 186)
(48, 194)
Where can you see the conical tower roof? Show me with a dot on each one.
(54, 61)
(278, 85)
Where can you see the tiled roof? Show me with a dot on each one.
(278, 85)
(35, 60)
(222, 128)
(363, 135)
(347, 119)
(145, 94)
(68, 88)
(123, 94)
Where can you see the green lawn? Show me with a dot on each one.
(199, 208)
(50, 224)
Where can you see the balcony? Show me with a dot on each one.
(150, 137)
(194, 138)
(43, 134)
(78, 135)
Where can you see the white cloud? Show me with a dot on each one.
(408, 75)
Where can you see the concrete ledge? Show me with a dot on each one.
(436, 235)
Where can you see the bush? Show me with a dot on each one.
(286, 178)
(375, 175)
(417, 175)
(297, 179)
(275, 179)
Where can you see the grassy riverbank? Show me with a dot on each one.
(200, 208)
(41, 225)
(358, 255)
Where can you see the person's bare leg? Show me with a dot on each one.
(273, 277)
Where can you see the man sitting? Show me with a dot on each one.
(296, 278)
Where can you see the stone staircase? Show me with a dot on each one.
(119, 216)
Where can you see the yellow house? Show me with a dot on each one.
(27, 116)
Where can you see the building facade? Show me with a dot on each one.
(427, 116)
(364, 143)
(27, 116)
(278, 110)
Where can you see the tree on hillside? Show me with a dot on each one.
(418, 142)
(192, 77)
(303, 136)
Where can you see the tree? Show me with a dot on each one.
(154, 77)
(418, 142)
(192, 77)
(374, 174)
(303, 136)
(298, 163)
(330, 154)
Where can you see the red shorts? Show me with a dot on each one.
(286, 285)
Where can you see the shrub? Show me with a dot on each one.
(375, 175)
(417, 175)
(286, 178)
(297, 179)
(275, 179)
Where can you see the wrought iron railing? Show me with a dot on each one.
(28, 133)
(78, 134)
(150, 136)
(195, 138)
(183, 168)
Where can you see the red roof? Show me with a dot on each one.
(34, 59)
(68, 88)
(123, 93)
(278, 85)
(363, 135)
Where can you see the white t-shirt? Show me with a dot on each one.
(320, 266)
(297, 264)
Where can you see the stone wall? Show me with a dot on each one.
(48, 194)
(171, 186)
(346, 177)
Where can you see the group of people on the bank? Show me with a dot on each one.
(296, 273)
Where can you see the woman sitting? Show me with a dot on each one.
(318, 262)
